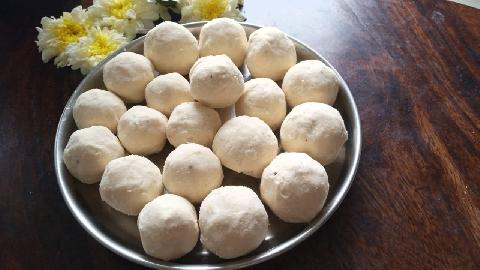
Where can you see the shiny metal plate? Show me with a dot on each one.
(119, 233)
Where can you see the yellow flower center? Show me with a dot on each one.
(101, 45)
(211, 9)
(68, 32)
(119, 8)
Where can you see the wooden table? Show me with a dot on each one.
(414, 70)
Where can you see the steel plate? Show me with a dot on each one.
(119, 233)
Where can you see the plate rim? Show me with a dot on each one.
(243, 261)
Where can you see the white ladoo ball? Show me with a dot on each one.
(215, 81)
(142, 130)
(316, 129)
(263, 98)
(127, 74)
(192, 171)
(129, 183)
(166, 92)
(171, 47)
(168, 227)
(270, 53)
(224, 36)
(310, 81)
(97, 107)
(191, 122)
(89, 150)
(233, 221)
(246, 145)
(295, 187)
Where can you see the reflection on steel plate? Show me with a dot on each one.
(471, 3)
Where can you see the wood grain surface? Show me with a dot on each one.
(414, 70)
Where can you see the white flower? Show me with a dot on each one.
(205, 10)
(126, 16)
(56, 34)
(93, 48)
